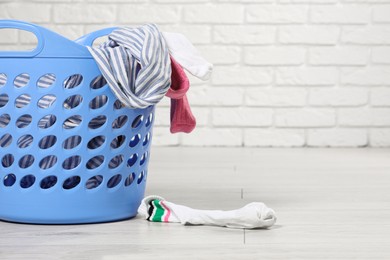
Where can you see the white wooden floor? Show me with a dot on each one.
(330, 203)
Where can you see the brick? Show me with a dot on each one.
(309, 76)
(338, 97)
(380, 13)
(163, 137)
(196, 34)
(309, 1)
(202, 115)
(305, 117)
(274, 137)
(180, 1)
(162, 116)
(340, 14)
(374, 34)
(106, 1)
(337, 137)
(26, 37)
(221, 96)
(380, 137)
(275, 97)
(380, 55)
(221, 55)
(244, 34)
(308, 34)
(380, 96)
(246, 1)
(274, 55)
(367, 1)
(214, 137)
(226, 75)
(212, 13)
(348, 55)
(150, 13)
(378, 75)
(364, 116)
(84, 13)
(242, 116)
(8, 36)
(71, 32)
(270, 13)
(31, 12)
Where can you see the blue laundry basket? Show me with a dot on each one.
(70, 152)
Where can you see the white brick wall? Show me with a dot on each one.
(288, 73)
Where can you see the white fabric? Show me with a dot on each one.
(253, 215)
(182, 50)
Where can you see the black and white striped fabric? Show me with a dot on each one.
(136, 64)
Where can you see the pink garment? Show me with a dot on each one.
(182, 119)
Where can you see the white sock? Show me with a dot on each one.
(253, 215)
(182, 50)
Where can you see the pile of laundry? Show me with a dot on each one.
(142, 65)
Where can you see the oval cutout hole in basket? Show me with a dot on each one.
(71, 182)
(97, 122)
(132, 160)
(117, 141)
(72, 122)
(95, 162)
(46, 101)
(143, 159)
(96, 142)
(94, 182)
(23, 121)
(146, 139)
(47, 141)
(72, 101)
(3, 100)
(140, 177)
(22, 101)
(114, 181)
(7, 160)
(46, 80)
(48, 182)
(149, 120)
(119, 122)
(98, 82)
(116, 161)
(137, 121)
(71, 162)
(118, 104)
(73, 81)
(71, 142)
(48, 162)
(98, 102)
(130, 179)
(47, 121)
(5, 140)
(9, 180)
(26, 161)
(22, 80)
(3, 79)
(4, 120)
(135, 140)
(25, 141)
(27, 181)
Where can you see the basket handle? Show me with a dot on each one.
(88, 39)
(50, 44)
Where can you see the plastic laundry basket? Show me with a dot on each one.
(70, 152)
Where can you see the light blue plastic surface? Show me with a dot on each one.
(56, 205)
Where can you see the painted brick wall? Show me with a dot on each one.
(287, 72)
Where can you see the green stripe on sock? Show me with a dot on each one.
(158, 212)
